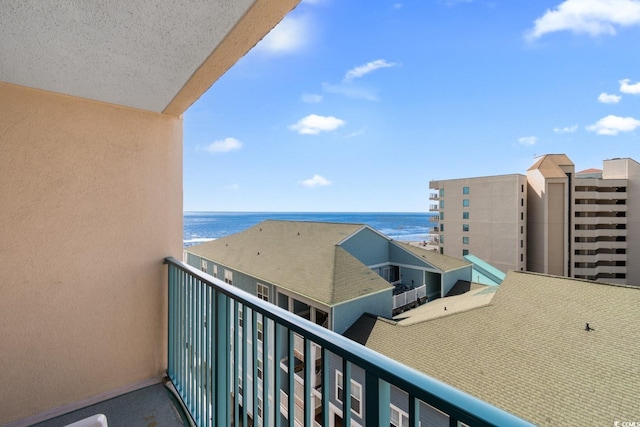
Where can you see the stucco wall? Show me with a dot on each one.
(557, 224)
(90, 204)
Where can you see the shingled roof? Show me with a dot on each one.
(527, 350)
(303, 257)
(441, 262)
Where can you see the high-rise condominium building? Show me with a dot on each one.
(553, 220)
(483, 216)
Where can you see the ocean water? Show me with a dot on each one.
(204, 226)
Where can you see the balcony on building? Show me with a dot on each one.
(95, 311)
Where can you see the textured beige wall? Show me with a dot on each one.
(90, 204)
(536, 222)
(494, 219)
(557, 224)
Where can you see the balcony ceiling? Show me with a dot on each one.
(138, 53)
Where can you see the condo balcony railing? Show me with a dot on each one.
(433, 208)
(235, 359)
(433, 196)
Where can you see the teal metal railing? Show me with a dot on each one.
(238, 360)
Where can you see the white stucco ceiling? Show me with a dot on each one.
(136, 53)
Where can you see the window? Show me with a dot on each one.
(441, 227)
(442, 238)
(465, 203)
(228, 277)
(441, 192)
(465, 190)
(391, 274)
(465, 215)
(259, 407)
(260, 330)
(521, 202)
(240, 318)
(521, 258)
(465, 252)
(522, 243)
(356, 394)
(441, 216)
(441, 204)
(522, 188)
(260, 367)
(522, 229)
(521, 216)
(263, 292)
(397, 417)
(215, 271)
(465, 240)
(465, 227)
(203, 265)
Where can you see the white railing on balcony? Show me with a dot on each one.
(409, 297)
(213, 358)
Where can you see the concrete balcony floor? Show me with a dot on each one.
(150, 406)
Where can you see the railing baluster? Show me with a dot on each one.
(346, 393)
(326, 387)
(254, 374)
(202, 311)
(236, 363)
(245, 357)
(266, 382)
(277, 383)
(222, 360)
(291, 380)
(308, 366)
(414, 412)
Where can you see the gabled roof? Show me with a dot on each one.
(549, 165)
(527, 350)
(302, 257)
(441, 262)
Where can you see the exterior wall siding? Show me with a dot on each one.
(345, 314)
(450, 278)
(368, 246)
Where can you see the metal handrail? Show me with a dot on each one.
(380, 371)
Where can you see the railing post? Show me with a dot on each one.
(222, 360)
(377, 399)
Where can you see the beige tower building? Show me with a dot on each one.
(485, 216)
(561, 222)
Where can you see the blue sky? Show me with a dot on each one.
(354, 105)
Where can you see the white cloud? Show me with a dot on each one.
(232, 187)
(593, 17)
(290, 35)
(361, 70)
(356, 133)
(607, 98)
(631, 88)
(566, 129)
(314, 124)
(312, 98)
(612, 125)
(527, 140)
(316, 181)
(397, 6)
(223, 146)
(350, 91)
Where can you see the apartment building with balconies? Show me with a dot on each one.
(554, 220)
(483, 216)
